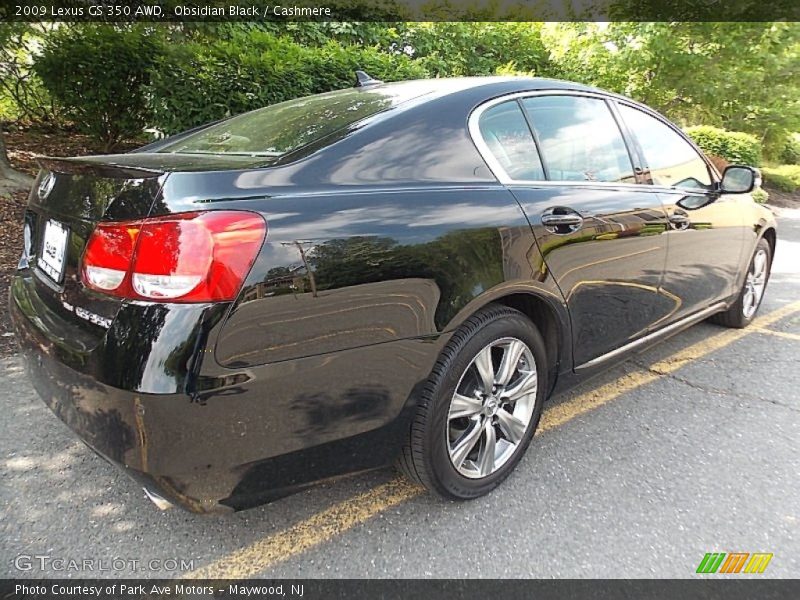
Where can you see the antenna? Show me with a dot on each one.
(364, 80)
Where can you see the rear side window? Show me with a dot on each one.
(672, 161)
(506, 133)
(579, 139)
(281, 128)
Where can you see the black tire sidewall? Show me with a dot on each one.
(449, 482)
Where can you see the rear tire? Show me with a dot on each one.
(480, 406)
(742, 312)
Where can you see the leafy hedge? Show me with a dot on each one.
(734, 146)
(760, 195)
(98, 73)
(785, 177)
(194, 83)
(790, 154)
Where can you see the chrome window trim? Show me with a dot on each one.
(473, 124)
(497, 169)
(713, 173)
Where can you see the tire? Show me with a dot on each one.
(742, 312)
(440, 434)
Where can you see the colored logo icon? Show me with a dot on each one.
(734, 562)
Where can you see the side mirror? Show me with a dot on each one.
(738, 179)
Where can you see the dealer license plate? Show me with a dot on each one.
(54, 250)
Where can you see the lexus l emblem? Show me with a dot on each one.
(46, 185)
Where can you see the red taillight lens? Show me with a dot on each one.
(108, 255)
(189, 257)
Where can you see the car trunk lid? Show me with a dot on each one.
(68, 199)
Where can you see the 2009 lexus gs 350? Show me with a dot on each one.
(388, 273)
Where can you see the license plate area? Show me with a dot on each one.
(53, 254)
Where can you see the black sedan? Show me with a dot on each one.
(389, 273)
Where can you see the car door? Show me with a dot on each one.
(599, 232)
(706, 229)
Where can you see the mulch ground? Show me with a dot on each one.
(11, 209)
(783, 199)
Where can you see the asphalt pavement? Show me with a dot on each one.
(689, 448)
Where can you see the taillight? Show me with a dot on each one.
(108, 255)
(188, 257)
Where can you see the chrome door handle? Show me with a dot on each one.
(556, 220)
(678, 219)
(565, 221)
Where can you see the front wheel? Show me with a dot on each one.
(744, 309)
(480, 407)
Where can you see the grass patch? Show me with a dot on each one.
(785, 178)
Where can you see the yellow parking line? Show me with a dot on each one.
(781, 334)
(335, 520)
(557, 415)
(308, 533)
(561, 413)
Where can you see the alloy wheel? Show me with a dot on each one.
(755, 283)
(492, 408)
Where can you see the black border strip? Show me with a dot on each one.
(125, 11)
(711, 587)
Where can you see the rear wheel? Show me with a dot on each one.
(480, 407)
(743, 311)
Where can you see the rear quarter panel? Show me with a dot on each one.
(342, 271)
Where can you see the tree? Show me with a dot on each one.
(448, 49)
(9, 177)
(741, 76)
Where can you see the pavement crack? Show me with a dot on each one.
(713, 390)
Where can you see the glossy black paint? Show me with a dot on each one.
(381, 240)
(609, 270)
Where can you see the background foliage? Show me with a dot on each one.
(786, 178)
(99, 74)
(734, 146)
(116, 81)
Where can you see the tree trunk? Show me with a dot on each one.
(9, 177)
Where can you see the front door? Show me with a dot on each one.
(706, 230)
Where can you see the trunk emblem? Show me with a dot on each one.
(46, 186)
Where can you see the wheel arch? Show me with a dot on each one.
(548, 314)
(771, 236)
(546, 320)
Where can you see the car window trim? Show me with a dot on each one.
(713, 174)
(635, 151)
(497, 169)
(536, 141)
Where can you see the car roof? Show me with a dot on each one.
(438, 87)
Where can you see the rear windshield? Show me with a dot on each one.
(281, 128)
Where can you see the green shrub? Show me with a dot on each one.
(760, 195)
(734, 146)
(98, 73)
(790, 154)
(785, 178)
(197, 83)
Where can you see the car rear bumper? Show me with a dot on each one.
(221, 439)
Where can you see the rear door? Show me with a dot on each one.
(600, 232)
(706, 229)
